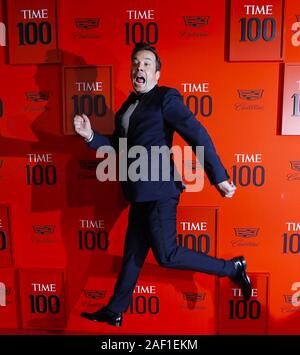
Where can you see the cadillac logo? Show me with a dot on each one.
(250, 94)
(38, 96)
(87, 23)
(246, 232)
(196, 21)
(39, 229)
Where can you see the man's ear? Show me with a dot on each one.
(157, 75)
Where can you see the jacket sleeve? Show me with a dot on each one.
(181, 119)
(101, 140)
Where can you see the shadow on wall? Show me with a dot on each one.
(80, 196)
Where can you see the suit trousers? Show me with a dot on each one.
(152, 224)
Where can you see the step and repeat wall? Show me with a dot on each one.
(237, 65)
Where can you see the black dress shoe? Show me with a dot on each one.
(241, 278)
(104, 315)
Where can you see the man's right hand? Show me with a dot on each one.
(82, 126)
(226, 188)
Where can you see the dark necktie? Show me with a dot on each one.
(127, 114)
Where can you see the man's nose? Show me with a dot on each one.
(140, 67)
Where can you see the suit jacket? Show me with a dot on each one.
(159, 114)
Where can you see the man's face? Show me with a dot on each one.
(143, 71)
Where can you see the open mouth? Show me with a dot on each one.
(140, 80)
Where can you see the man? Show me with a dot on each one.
(149, 117)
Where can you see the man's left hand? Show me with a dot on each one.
(226, 188)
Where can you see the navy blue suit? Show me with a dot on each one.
(152, 214)
(161, 111)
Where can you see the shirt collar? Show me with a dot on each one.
(134, 96)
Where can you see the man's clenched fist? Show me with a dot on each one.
(82, 126)
(226, 189)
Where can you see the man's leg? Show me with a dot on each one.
(161, 220)
(136, 248)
